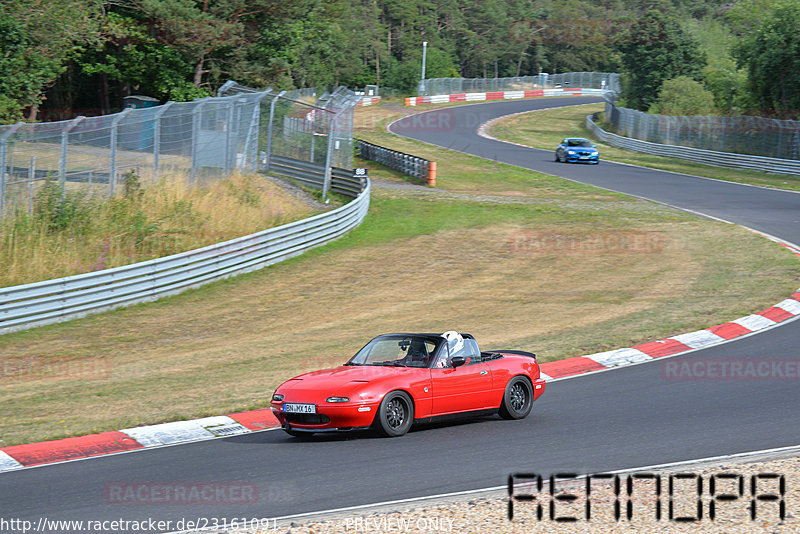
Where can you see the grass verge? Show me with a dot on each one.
(546, 128)
(518, 259)
(74, 232)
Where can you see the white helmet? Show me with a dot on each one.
(454, 341)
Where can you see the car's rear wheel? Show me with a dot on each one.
(395, 414)
(517, 399)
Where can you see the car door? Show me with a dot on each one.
(464, 388)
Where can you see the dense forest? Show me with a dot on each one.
(61, 58)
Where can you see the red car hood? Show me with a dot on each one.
(361, 383)
(342, 376)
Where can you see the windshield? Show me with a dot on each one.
(578, 142)
(397, 351)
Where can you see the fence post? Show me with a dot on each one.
(225, 86)
(313, 143)
(112, 176)
(195, 138)
(326, 182)
(62, 167)
(157, 137)
(3, 159)
(31, 179)
(3, 152)
(229, 134)
(270, 129)
(252, 133)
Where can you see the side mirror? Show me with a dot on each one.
(594, 146)
(458, 361)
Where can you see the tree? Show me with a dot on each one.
(721, 75)
(131, 57)
(729, 87)
(216, 36)
(654, 49)
(91, 53)
(405, 75)
(36, 41)
(771, 56)
(683, 96)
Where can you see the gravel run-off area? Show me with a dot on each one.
(483, 513)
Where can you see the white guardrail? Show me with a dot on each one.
(58, 300)
(503, 95)
(698, 155)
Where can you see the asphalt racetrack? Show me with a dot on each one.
(624, 418)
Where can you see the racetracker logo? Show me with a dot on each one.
(535, 242)
(180, 493)
(442, 121)
(39, 367)
(730, 369)
(445, 119)
(570, 31)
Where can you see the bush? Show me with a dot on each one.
(60, 210)
(729, 87)
(683, 96)
(10, 110)
(405, 75)
(133, 186)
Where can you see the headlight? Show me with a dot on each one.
(337, 399)
(571, 152)
(277, 397)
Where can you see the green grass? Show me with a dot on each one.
(545, 129)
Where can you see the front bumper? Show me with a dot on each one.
(577, 158)
(329, 417)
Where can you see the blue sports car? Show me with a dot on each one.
(574, 149)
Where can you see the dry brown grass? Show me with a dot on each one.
(167, 218)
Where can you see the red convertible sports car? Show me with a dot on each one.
(400, 379)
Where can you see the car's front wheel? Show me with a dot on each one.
(517, 399)
(395, 414)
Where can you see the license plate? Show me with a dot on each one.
(299, 408)
(584, 157)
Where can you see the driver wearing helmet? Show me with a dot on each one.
(455, 343)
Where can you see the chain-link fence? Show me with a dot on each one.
(304, 125)
(586, 80)
(199, 140)
(757, 136)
